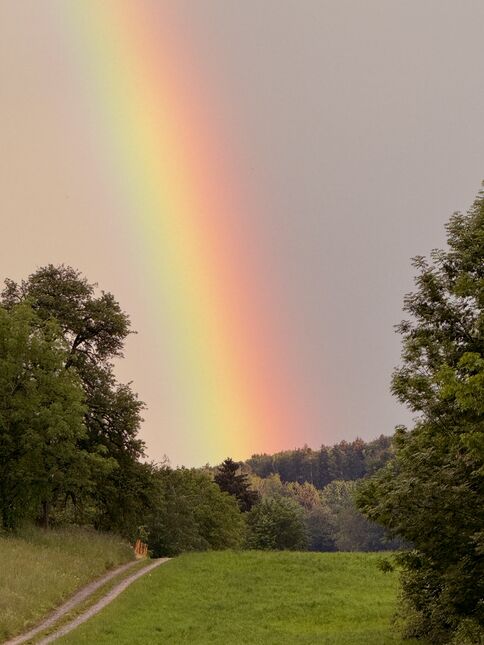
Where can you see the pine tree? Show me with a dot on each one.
(236, 483)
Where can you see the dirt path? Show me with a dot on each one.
(80, 597)
(105, 600)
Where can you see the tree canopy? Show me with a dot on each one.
(93, 329)
(432, 493)
(41, 418)
(192, 514)
(276, 523)
(343, 461)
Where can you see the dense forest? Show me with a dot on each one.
(70, 450)
(346, 461)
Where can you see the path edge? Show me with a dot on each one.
(78, 597)
(100, 604)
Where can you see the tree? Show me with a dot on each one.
(270, 486)
(94, 328)
(317, 516)
(192, 513)
(41, 419)
(276, 524)
(306, 495)
(320, 529)
(331, 519)
(432, 493)
(236, 483)
(377, 453)
(349, 528)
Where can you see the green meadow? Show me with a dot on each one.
(252, 597)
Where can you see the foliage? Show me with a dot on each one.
(93, 328)
(344, 461)
(41, 419)
(349, 529)
(432, 494)
(124, 499)
(277, 524)
(275, 598)
(237, 484)
(191, 513)
(320, 529)
(41, 569)
(332, 521)
(270, 486)
(306, 495)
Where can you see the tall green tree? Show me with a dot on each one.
(94, 329)
(41, 419)
(232, 481)
(432, 493)
(192, 513)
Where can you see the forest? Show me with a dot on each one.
(345, 460)
(71, 452)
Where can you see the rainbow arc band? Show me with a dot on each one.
(235, 383)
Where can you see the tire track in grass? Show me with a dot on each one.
(98, 606)
(77, 599)
(70, 604)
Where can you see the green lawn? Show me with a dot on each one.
(229, 598)
(40, 569)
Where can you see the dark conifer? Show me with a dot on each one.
(236, 483)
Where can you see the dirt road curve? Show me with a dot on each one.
(82, 595)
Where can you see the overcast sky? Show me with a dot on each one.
(359, 126)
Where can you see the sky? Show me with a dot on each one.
(332, 139)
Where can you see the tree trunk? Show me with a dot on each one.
(44, 518)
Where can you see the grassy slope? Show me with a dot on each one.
(252, 598)
(39, 569)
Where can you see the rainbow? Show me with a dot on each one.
(233, 382)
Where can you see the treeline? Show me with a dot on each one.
(346, 461)
(70, 451)
(318, 488)
(327, 520)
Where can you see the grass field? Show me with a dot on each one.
(229, 598)
(40, 569)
